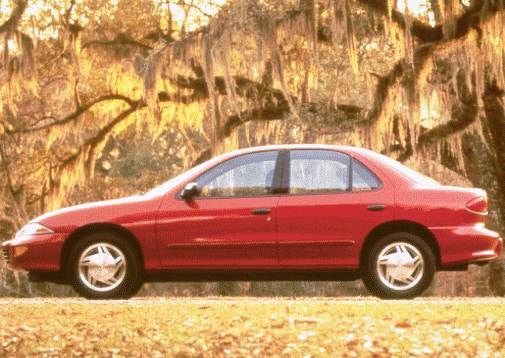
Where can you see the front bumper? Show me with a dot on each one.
(35, 253)
(467, 244)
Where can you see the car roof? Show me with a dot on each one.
(347, 149)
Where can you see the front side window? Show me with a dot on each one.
(246, 175)
(318, 171)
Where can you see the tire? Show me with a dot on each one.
(104, 266)
(407, 266)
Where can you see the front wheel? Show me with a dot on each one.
(104, 266)
(400, 265)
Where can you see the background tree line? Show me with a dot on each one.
(101, 99)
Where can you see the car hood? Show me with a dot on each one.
(119, 211)
(86, 206)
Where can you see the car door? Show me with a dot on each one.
(230, 223)
(332, 203)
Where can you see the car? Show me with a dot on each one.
(282, 212)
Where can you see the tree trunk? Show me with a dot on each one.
(494, 130)
(479, 169)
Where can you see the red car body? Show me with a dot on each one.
(296, 235)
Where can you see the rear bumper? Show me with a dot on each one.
(467, 244)
(36, 253)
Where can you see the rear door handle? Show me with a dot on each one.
(376, 207)
(261, 211)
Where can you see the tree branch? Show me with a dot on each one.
(426, 33)
(12, 22)
(463, 115)
(465, 23)
(257, 114)
(244, 87)
(120, 40)
(100, 135)
(77, 113)
(419, 29)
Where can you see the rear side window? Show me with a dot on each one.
(362, 178)
(318, 171)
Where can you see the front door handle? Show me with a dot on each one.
(376, 207)
(261, 211)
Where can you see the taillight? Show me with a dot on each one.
(478, 205)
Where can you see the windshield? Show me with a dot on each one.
(166, 186)
(404, 170)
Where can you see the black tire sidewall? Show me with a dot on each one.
(371, 277)
(132, 280)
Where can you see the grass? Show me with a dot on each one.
(252, 327)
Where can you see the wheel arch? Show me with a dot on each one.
(94, 228)
(400, 226)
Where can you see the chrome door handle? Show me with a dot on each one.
(261, 211)
(376, 207)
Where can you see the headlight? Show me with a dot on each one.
(32, 229)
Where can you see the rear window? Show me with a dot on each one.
(404, 170)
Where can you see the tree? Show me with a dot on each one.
(413, 83)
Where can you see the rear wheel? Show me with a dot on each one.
(105, 266)
(400, 265)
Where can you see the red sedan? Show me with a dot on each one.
(290, 212)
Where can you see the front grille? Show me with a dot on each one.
(5, 254)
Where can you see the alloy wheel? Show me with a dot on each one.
(400, 266)
(102, 267)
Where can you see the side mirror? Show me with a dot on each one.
(189, 191)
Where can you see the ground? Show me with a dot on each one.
(209, 327)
